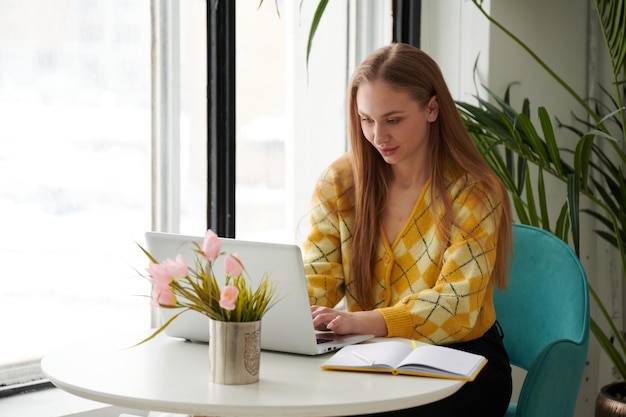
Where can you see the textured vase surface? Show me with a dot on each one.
(235, 352)
(610, 402)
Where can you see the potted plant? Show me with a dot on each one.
(512, 145)
(234, 310)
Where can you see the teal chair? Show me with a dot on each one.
(544, 314)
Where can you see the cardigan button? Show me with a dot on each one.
(382, 295)
(386, 258)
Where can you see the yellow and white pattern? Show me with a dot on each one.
(426, 289)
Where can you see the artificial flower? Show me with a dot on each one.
(177, 268)
(233, 265)
(228, 297)
(159, 276)
(163, 296)
(211, 246)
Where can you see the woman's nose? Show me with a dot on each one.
(380, 134)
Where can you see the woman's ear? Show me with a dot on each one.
(432, 109)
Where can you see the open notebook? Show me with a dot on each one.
(287, 326)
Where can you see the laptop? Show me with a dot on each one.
(287, 326)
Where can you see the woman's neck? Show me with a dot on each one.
(409, 176)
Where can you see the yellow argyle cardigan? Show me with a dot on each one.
(426, 289)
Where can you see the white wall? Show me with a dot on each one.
(454, 34)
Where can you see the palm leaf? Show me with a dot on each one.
(317, 17)
(563, 224)
(543, 201)
(550, 139)
(573, 197)
(530, 202)
(611, 14)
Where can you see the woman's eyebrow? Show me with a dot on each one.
(389, 113)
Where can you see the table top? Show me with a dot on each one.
(171, 375)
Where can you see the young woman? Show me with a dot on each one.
(411, 227)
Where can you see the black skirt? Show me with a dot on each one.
(487, 396)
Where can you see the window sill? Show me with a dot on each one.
(54, 402)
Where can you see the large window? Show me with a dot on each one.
(290, 116)
(74, 163)
(290, 122)
(76, 160)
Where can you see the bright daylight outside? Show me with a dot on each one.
(75, 160)
(75, 169)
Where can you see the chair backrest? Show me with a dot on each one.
(544, 313)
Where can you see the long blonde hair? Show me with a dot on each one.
(412, 71)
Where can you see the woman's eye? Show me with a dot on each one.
(393, 121)
(366, 120)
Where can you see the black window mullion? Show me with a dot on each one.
(221, 117)
(407, 21)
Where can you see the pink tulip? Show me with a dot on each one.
(211, 246)
(232, 265)
(228, 297)
(159, 275)
(162, 297)
(177, 269)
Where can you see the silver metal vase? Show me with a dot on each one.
(235, 352)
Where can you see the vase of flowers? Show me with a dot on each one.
(234, 309)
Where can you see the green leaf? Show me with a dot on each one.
(616, 356)
(611, 16)
(573, 196)
(562, 224)
(621, 195)
(522, 172)
(520, 210)
(548, 133)
(317, 17)
(582, 155)
(148, 254)
(608, 347)
(536, 143)
(530, 201)
(160, 329)
(607, 199)
(543, 201)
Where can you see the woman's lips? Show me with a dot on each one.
(387, 151)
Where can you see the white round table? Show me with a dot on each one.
(171, 375)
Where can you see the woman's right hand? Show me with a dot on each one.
(347, 322)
